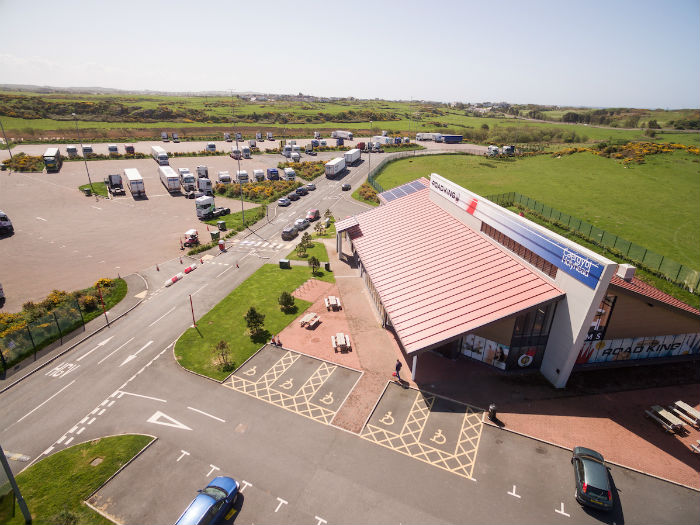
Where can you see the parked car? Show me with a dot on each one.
(311, 186)
(293, 197)
(313, 215)
(345, 187)
(301, 224)
(592, 479)
(301, 191)
(289, 233)
(310, 152)
(212, 503)
(284, 201)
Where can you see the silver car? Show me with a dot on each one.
(301, 224)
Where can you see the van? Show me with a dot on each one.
(211, 146)
(112, 149)
(289, 174)
(72, 151)
(87, 149)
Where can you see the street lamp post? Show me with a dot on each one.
(6, 141)
(84, 157)
(238, 160)
(369, 152)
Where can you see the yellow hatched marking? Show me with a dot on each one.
(320, 375)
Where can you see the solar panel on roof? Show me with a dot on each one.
(401, 191)
(418, 185)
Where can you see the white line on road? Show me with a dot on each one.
(161, 317)
(184, 453)
(245, 484)
(80, 431)
(47, 451)
(104, 402)
(49, 399)
(91, 421)
(514, 494)
(101, 412)
(84, 419)
(121, 393)
(222, 273)
(202, 288)
(133, 356)
(96, 207)
(320, 521)
(96, 347)
(110, 355)
(213, 468)
(110, 403)
(562, 511)
(281, 502)
(208, 415)
(42, 219)
(67, 442)
(60, 440)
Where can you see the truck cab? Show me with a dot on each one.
(246, 152)
(87, 149)
(242, 177)
(224, 177)
(52, 160)
(289, 174)
(114, 184)
(176, 138)
(211, 147)
(202, 172)
(227, 137)
(129, 149)
(187, 180)
(164, 136)
(72, 151)
(236, 154)
(259, 175)
(287, 150)
(112, 149)
(204, 185)
(273, 174)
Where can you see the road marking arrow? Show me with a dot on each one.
(159, 418)
(133, 356)
(98, 345)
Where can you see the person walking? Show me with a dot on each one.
(398, 370)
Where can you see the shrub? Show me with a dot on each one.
(88, 302)
(286, 301)
(103, 283)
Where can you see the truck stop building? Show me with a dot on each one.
(453, 272)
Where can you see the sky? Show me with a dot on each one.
(613, 53)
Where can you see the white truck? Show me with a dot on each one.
(296, 156)
(252, 143)
(287, 150)
(317, 135)
(246, 152)
(290, 174)
(211, 147)
(493, 151)
(259, 175)
(134, 181)
(296, 148)
(259, 136)
(335, 167)
(437, 137)
(87, 149)
(187, 180)
(270, 136)
(160, 155)
(342, 135)
(352, 156)
(383, 140)
(112, 149)
(224, 177)
(202, 172)
(235, 153)
(204, 185)
(207, 210)
(242, 177)
(72, 151)
(169, 178)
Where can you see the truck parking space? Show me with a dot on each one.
(296, 382)
(427, 427)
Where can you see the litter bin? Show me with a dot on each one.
(222, 245)
(284, 263)
(221, 225)
(328, 266)
(214, 236)
(493, 414)
(87, 192)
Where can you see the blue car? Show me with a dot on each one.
(212, 503)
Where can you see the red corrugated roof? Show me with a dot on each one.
(435, 276)
(640, 287)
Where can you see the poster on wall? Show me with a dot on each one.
(596, 332)
(648, 347)
(485, 350)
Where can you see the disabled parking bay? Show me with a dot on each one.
(427, 427)
(296, 382)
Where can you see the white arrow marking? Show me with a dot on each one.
(161, 419)
(133, 356)
(562, 511)
(91, 351)
(514, 494)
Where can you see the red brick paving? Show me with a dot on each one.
(612, 423)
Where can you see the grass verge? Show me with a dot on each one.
(194, 348)
(318, 250)
(56, 487)
(99, 188)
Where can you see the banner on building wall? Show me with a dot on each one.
(602, 318)
(564, 257)
(481, 349)
(639, 348)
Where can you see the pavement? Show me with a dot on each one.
(611, 422)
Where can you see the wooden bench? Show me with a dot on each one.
(687, 409)
(313, 323)
(328, 304)
(334, 343)
(695, 447)
(681, 415)
(673, 421)
(663, 424)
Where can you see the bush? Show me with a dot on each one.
(286, 302)
(88, 302)
(103, 283)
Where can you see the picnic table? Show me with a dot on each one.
(673, 421)
(340, 341)
(310, 320)
(693, 416)
(332, 302)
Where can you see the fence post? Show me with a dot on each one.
(32, 340)
(679, 272)
(60, 333)
(660, 262)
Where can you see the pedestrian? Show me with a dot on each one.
(398, 370)
(279, 343)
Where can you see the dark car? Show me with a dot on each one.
(293, 197)
(289, 233)
(212, 503)
(302, 191)
(592, 479)
(345, 187)
(310, 152)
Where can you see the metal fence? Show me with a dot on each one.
(673, 271)
(39, 333)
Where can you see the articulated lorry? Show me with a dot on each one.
(134, 182)
(207, 210)
(114, 184)
(352, 156)
(335, 167)
(187, 180)
(169, 178)
(160, 155)
(342, 135)
(53, 160)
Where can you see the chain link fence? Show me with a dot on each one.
(37, 334)
(677, 273)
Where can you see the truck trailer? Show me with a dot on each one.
(335, 167)
(352, 156)
(52, 160)
(169, 178)
(340, 134)
(134, 182)
(160, 155)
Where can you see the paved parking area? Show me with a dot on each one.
(430, 428)
(308, 386)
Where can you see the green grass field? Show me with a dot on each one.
(656, 204)
(56, 486)
(318, 250)
(225, 321)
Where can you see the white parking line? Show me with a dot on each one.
(226, 270)
(184, 453)
(281, 502)
(42, 219)
(49, 399)
(67, 442)
(514, 494)
(562, 511)
(121, 393)
(208, 415)
(213, 468)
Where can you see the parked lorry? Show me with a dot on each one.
(273, 174)
(176, 138)
(211, 147)
(492, 151)
(202, 172)
(335, 167)
(352, 156)
(72, 151)
(235, 153)
(204, 185)
(227, 137)
(159, 155)
(239, 136)
(5, 224)
(361, 146)
(207, 210)
(134, 181)
(242, 177)
(315, 143)
(342, 135)
(259, 175)
(296, 157)
(339, 141)
(437, 137)
(112, 149)
(224, 177)
(287, 150)
(259, 136)
(452, 139)
(382, 140)
(246, 152)
(187, 180)
(114, 184)
(52, 159)
(270, 136)
(317, 135)
(289, 174)
(87, 149)
(164, 136)
(169, 178)
(129, 149)
(509, 150)
(252, 143)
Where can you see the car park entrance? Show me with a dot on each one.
(427, 427)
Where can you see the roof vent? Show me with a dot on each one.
(626, 271)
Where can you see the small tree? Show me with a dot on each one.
(327, 213)
(320, 230)
(314, 263)
(306, 240)
(286, 301)
(222, 355)
(254, 320)
(301, 249)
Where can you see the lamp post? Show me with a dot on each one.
(84, 157)
(369, 153)
(6, 141)
(238, 160)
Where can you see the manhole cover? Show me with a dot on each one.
(96, 462)
(316, 340)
